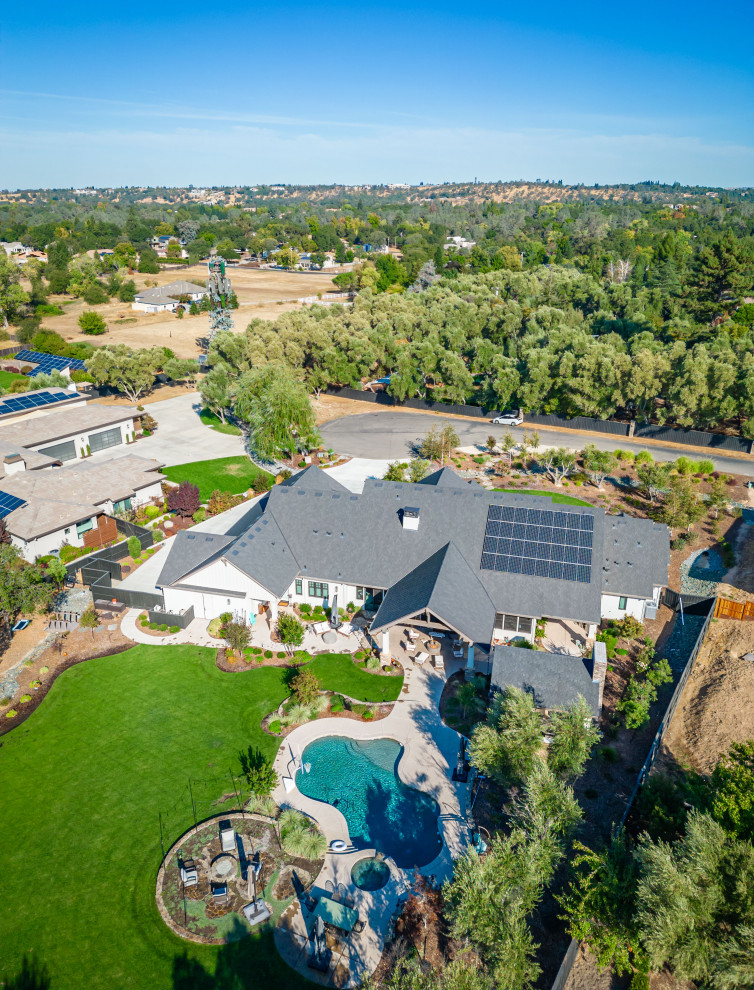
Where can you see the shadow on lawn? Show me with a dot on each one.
(242, 964)
(33, 975)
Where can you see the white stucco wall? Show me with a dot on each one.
(82, 439)
(634, 606)
(49, 543)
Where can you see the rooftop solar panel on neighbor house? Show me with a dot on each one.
(8, 503)
(538, 543)
(48, 362)
(31, 400)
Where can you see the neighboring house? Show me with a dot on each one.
(554, 680)
(25, 405)
(167, 298)
(460, 243)
(444, 553)
(14, 247)
(41, 363)
(45, 506)
(70, 432)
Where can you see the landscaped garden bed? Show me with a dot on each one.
(157, 629)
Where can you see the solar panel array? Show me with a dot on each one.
(48, 362)
(539, 543)
(8, 503)
(32, 400)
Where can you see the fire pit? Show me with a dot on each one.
(223, 866)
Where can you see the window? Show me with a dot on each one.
(68, 530)
(510, 623)
(123, 505)
(622, 604)
(299, 586)
(318, 590)
(108, 438)
(524, 625)
(359, 594)
(84, 527)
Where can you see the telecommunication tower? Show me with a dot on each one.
(219, 295)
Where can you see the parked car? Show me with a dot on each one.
(513, 418)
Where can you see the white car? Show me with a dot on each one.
(509, 419)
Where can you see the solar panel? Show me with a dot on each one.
(48, 362)
(8, 503)
(31, 400)
(538, 542)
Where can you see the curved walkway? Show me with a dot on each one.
(429, 754)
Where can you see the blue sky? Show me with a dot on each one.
(175, 94)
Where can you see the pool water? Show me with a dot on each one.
(371, 873)
(360, 779)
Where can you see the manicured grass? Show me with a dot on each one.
(228, 474)
(88, 783)
(338, 672)
(209, 419)
(8, 377)
(555, 496)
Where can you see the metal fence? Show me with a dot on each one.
(579, 423)
(675, 600)
(695, 438)
(100, 568)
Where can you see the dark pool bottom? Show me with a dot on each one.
(371, 873)
(361, 780)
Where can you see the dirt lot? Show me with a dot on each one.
(261, 294)
(717, 706)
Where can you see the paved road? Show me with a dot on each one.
(392, 435)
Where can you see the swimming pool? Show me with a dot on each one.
(360, 779)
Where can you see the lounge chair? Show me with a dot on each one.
(421, 657)
(458, 651)
(228, 840)
(439, 662)
(189, 877)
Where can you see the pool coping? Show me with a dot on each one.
(430, 749)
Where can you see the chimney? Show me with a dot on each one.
(13, 463)
(410, 518)
(599, 667)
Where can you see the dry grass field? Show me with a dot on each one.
(264, 294)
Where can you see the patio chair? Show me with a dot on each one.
(458, 651)
(220, 894)
(189, 877)
(358, 928)
(421, 657)
(228, 840)
(439, 662)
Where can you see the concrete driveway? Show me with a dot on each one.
(392, 435)
(181, 436)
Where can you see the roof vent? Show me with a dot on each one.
(410, 518)
(191, 536)
(318, 494)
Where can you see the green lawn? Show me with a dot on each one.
(555, 496)
(84, 782)
(8, 377)
(338, 672)
(228, 474)
(209, 419)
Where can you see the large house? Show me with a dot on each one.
(167, 298)
(45, 506)
(443, 553)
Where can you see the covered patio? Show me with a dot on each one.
(567, 637)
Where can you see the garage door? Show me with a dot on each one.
(61, 451)
(108, 438)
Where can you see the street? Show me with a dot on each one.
(392, 435)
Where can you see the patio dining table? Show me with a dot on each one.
(336, 914)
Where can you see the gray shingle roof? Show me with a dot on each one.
(447, 586)
(263, 553)
(314, 478)
(552, 679)
(189, 551)
(636, 556)
(447, 478)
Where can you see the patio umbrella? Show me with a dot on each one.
(334, 619)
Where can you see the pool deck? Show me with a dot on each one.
(429, 754)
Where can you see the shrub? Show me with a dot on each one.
(621, 652)
(704, 467)
(359, 656)
(268, 654)
(299, 836)
(163, 627)
(184, 500)
(624, 456)
(610, 643)
(153, 625)
(152, 511)
(11, 713)
(290, 630)
(24, 698)
(643, 457)
(372, 663)
(274, 727)
(609, 754)
(134, 546)
(200, 515)
(628, 627)
(368, 715)
(262, 779)
(305, 686)
(684, 466)
(35, 684)
(262, 806)
(337, 704)
(305, 608)
(92, 323)
(281, 656)
(175, 629)
(144, 620)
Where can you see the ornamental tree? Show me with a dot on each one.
(131, 372)
(184, 500)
